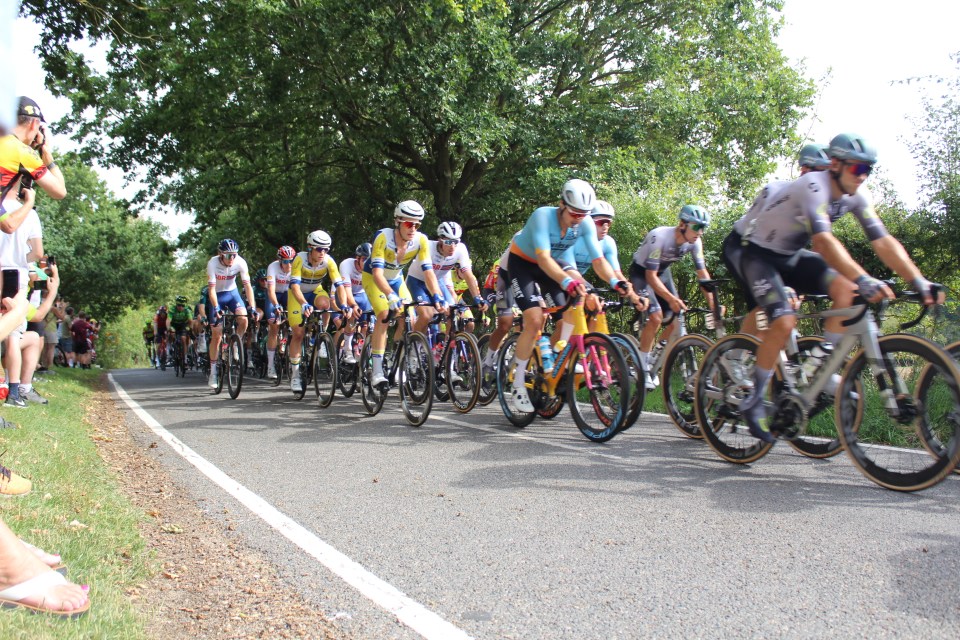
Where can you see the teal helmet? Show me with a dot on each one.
(851, 147)
(814, 156)
(694, 214)
(261, 274)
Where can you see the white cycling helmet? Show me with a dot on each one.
(319, 239)
(408, 210)
(603, 209)
(579, 195)
(449, 230)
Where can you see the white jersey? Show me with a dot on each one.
(15, 246)
(280, 280)
(226, 277)
(350, 273)
(442, 265)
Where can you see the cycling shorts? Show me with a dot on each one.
(295, 309)
(228, 301)
(766, 275)
(268, 306)
(378, 300)
(638, 278)
(525, 276)
(420, 293)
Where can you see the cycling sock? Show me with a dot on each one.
(348, 341)
(490, 358)
(833, 337)
(378, 364)
(271, 353)
(519, 373)
(645, 359)
(566, 330)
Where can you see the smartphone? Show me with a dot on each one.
(40, 285)
(26, 182)
(11, 283)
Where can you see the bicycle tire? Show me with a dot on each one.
(176, 360)
(347, 373)
(680, 367)
(719, 389)
(234, 366)
(279, 363)
(324, 370)
(372, 398)
(505, 368)
(488, 381)
(608, 397)
(221, 366)
(462, 359)
(921, 446)
(416, 378)
(630, 348)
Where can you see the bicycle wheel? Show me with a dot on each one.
(177, 360)
(306, 353)
(162, 357)
(505, 373)
(630, 348)
(221, 367)
(680, 367)
(488, 379)
(820, 438)
(279, 362)
(599, 398)
(324, 369)
(372, 397)
(415, 371)
(234, 365)
(726, 378)
(909, 438)
(461, 370)
(346, 372)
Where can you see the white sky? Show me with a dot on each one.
(865, 46)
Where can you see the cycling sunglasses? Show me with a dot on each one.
(859, 168)
(409, 224)
(450, 242)
(286, 262)
(229, 256)
(696, 226)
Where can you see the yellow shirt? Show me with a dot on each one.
(310, 276)
(386, 256)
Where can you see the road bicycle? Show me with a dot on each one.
(321, 358)
(598, 397)
(456, 358)
(630, 348)
(896, 404)
(281, 356)
(179, 358)
(407, 364)
(230, 363)
(348, 373)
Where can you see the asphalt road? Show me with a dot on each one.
(538, 533)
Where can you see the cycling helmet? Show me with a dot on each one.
(261, 274)
(694, 214)
(319, 239)
(181, 300)
(286, 252)
(228, 246)
(579, 194)
(814, 156)
(364, 250)
(450, 230)
(603, 209)
(162, 309)
(409, 210)
(850, 146)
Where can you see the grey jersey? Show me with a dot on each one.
(785, 217)
(659, 250)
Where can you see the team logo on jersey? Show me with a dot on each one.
(761, 288)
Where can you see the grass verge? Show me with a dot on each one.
(75, 509)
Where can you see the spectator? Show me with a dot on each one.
(31, 344)
(64, 331)
(81, 339)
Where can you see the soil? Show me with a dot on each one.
(210, 585)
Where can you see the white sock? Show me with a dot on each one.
(519, 374)
(566, 330)
(270, 355)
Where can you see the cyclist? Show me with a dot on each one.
(260, 292)
(774, 256)
(200, 319)
(537, 258)
(222, 272)
(447, 254)
(180, 319)
(650, 272)
(148, 336)
(813, 157)
(351, 271)
(278, 283)
(504, 310)
(392, 249)
(160, 335)
(309, 269)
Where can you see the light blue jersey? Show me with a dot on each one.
(580, 253)
(542, 233)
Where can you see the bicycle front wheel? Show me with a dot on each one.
(909, 438)
(372, 397)
(488, 378)
(505, 375)
(680, 367)
(415, 370)
(324, 368)
(599, 398)
(461, 369)
(630, 348)
(234, 365)
(347, 372)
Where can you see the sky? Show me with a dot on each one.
(861, 49)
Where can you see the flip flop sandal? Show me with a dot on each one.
(11, 598)
(59, 567)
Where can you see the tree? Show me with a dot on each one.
(109, 260)
(305, 114)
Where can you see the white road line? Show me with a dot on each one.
(410, 612)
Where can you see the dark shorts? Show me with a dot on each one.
(80, 347)
(66, 344)
(638, 278)
(525, 277)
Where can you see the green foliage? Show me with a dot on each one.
(109, 260)
(270, 119)
(120, 345)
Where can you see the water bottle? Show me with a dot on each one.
(546, 352)
(815, 358)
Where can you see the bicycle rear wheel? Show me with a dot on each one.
(505, 373)
(599, 398)
(415, 370)
(680, 367)
(324, 369)
(909, 438)
(724, 380)
(630, 348)
(461, 370)
(279, 362)
(347, 372)
(234, 365)
(221, 368)
(372, 397)
(488, 380)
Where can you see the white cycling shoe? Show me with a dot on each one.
(377, 379)
(520, 401)
(213, 377)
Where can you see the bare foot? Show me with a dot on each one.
(61, 596)
(49, 559)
